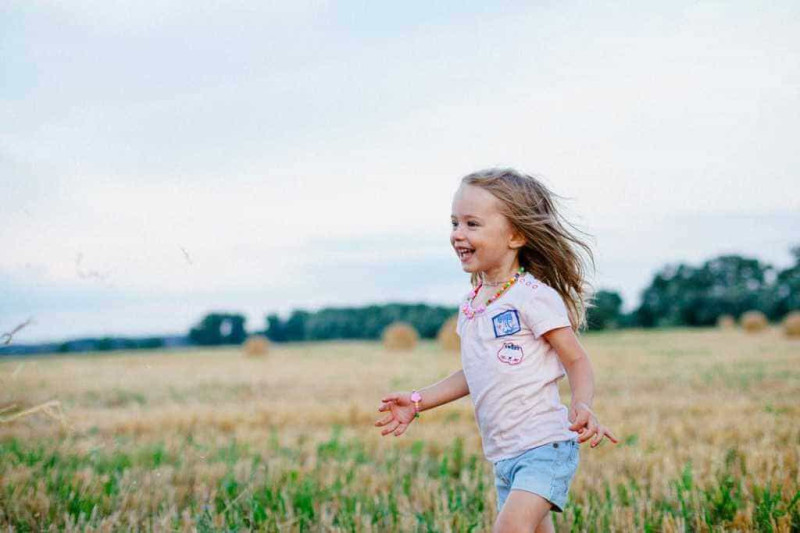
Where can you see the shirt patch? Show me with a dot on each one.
(506, 323)
(511, 353)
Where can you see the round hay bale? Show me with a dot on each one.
(726, 322)
(447, 337)
(256, 346)
(791, 324)
(400, 336)
(753, 321)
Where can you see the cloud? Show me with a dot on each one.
(266, 139)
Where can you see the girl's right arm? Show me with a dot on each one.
(402, 410)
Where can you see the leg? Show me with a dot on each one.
(546, 525)
(523, 512)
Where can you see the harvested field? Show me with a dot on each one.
(208, 439)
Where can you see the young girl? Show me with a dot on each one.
(517, 329)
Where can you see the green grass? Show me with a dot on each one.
(458, 480)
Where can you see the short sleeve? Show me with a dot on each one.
(462, 318)
(545, 310)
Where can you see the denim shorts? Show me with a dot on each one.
(546, 470)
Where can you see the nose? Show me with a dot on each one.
(456, 234)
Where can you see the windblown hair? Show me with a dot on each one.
(551, 251)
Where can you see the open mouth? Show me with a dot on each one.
(465, 253)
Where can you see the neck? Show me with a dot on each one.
(501, 273)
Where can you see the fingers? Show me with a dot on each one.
(391, 427)
(586, 435)
(389, 400)
(400, 429)
(602, 432)
(590, 430)
(581, 419)
(607, 433)
(588, 427)
(393, 397)
(388, 418)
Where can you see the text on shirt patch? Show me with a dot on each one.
(506, 323)
(511, 353)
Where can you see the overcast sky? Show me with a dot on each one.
(159, 160)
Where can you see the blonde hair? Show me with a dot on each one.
(548, 252)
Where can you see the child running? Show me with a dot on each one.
(517, 328)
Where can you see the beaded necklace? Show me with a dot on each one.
(470, 312)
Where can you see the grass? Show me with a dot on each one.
(210, 440)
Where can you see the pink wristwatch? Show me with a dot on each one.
(416, 398)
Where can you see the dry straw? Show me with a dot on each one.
(726, 322)
(400, 336)
(791, 324)
(447, 336)
(753, 321)
(256, 346)
(51, 409)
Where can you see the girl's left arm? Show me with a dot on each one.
(581, 382)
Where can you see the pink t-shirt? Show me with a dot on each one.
(513, 372)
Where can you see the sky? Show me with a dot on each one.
(161, 160)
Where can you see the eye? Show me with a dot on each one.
(472, 224)
(453, 223)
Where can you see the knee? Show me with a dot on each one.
(504, 526)
(546, 525)
(508, 523)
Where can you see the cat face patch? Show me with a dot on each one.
(506, 323)
(510, 353)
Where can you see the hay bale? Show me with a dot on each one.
(726, 322)
(791, 324)
(400, 336)
(256, 346)
(447, 337)
(753, 321)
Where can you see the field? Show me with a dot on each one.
(211, 440)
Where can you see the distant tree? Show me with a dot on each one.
(785, 291)
(295, 327)
(606, 311)
(219, 328)
(105, 344)
(357, 322)
(629, 320)
(276, 329)
(685, 295)
(237, 333)
(149, 343)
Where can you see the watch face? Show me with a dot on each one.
(415, 397)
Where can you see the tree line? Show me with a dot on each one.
(678, 295)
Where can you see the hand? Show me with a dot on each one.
(586, 424)
(401, 415)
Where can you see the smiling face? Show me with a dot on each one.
(482, 236)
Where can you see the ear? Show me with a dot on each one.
(517, 240)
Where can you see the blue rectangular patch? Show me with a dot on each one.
(506, 323)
